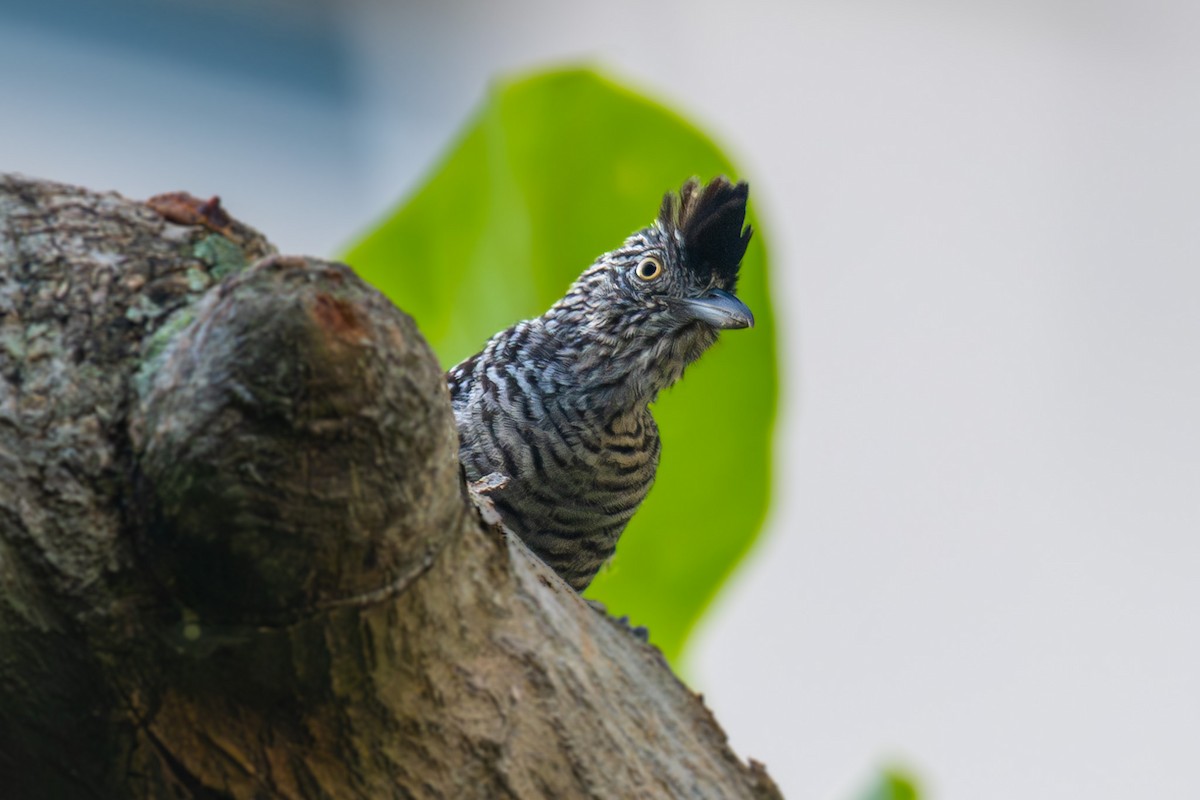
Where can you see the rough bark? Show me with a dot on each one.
(237, 558)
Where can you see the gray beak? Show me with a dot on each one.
(721, 309)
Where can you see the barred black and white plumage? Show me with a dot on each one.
(559, 404)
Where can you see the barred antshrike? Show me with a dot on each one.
(559, 404)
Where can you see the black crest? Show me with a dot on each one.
(710, 222)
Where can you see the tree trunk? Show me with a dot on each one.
(237, 558)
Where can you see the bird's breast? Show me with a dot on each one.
(574, 483)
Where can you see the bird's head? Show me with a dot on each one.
(657, 303)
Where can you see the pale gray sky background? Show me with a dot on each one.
(983, 556)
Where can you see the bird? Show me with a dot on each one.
(554, 412)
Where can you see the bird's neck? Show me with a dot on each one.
(598, 375)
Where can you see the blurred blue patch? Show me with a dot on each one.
(295, 47)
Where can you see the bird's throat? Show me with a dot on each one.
(611, 376)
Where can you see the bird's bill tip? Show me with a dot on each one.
(722, 310)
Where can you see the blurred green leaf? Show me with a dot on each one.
(554, 170)
(893, 784)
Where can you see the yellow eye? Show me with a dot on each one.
(649, 268)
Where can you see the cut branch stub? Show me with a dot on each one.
(296, 447)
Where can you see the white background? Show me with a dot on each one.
(983, 218)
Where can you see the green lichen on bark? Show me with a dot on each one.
(222, 256)
(157, 343)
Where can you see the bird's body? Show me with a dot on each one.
(559, 405)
